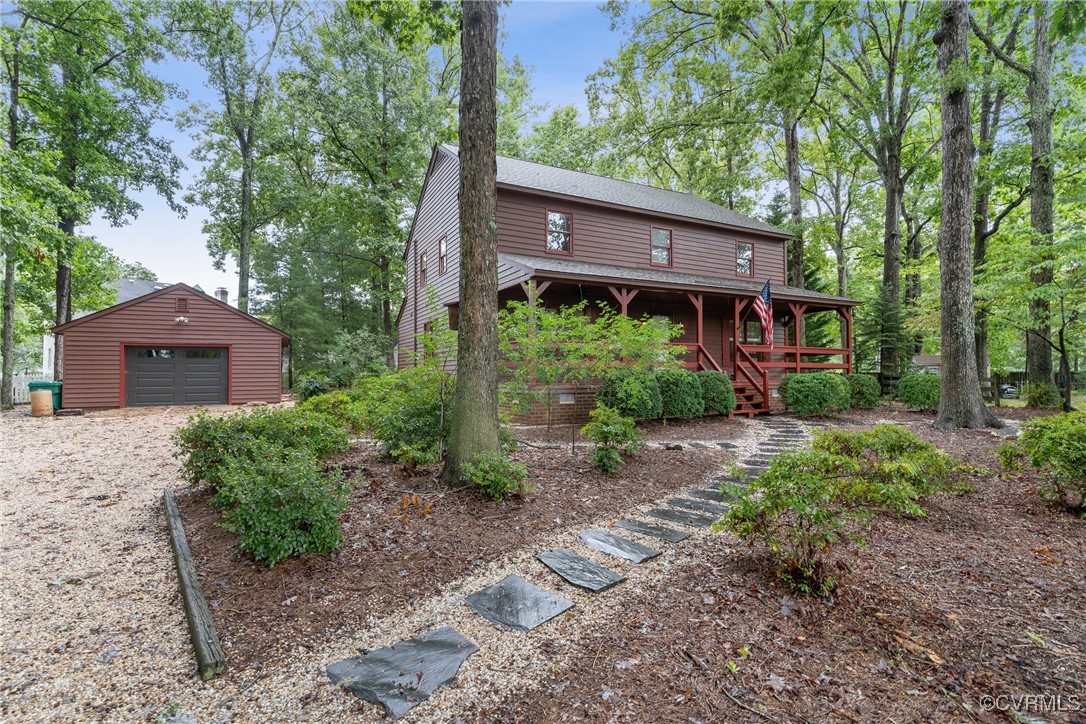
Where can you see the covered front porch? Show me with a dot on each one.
(720, 329)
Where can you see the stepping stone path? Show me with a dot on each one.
(579, 571)
(517, 603)
(616, 545)
(405, 674)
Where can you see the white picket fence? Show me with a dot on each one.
(21, 383)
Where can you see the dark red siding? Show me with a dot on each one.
(93, 347)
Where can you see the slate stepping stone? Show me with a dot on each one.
(405, 674)
(699, 446)
(713, 495)
(518, 604)
(685, 517)
(616, 545)
(579, 571)
(655, 531)
(726, 445)
(698, 505)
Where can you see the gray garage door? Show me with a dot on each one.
(176, 376)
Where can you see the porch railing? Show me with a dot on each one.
(791, 358)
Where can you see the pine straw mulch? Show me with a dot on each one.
(395, 554)
(985, 596)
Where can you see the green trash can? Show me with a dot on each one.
(53, 387)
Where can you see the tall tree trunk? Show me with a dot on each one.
(960, 400)
(65, 245)
(1042, 190)
(245, 235)
(475, 406)
(891, 333)
(384, 287)
(7, 347)
(795, 202)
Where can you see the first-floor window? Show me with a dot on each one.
(661, 247)
(751, 332)
(559, 232)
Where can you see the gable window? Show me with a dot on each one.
(744, 259)
(661, 247)
(559, 232)
(442, 255)
(422, 269)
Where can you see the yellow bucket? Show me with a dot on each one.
(41, 403)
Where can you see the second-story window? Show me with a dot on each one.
(422, 269)
(559, 232)
(442, 255)
(661, 247)
(744, 259)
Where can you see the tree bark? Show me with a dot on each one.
(7, 350)
(1042, 190)
(960, 401)
(245, 234)
(891, 333)
(795, 202)
(475, 424)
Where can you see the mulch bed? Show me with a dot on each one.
(395, 554)
(986, 596)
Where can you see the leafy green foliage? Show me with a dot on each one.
(680, 394)
(634, 393)
(612, 433)
(815, 393)
(404, 411)
(339, 406)
(864, 391)
(497, 476)
(1042, 396)
(281, 503)
(717, 391)
(311, 384)
(816, 498)
(919, 392)
(1056, 446)
(208, 443)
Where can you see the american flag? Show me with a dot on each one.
(763, 307)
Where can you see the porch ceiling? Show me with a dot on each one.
(566, 269)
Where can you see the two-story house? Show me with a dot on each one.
(643, 250)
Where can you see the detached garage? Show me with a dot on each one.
(175, 346)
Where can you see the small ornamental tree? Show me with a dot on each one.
(613, 434)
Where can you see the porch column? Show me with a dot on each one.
(697, 301)
(737, 323)
(624, 296)
(534, 291)
(797, 313)
(846, 343)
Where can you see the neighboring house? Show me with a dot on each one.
(927, 362)
(174, 346)
(641, 249)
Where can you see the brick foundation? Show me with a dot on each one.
(561, 413)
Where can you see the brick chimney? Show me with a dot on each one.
(222, 295)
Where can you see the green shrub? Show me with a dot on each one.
(634, 393)
(311, 384)
(919, 392)
(206, 443)
(680, 394)
(814, 393)
(865, 391)
(407, 412)
(1043, 396)
(716, 390)
(338, 405)
(1055, 445)
(497, 475)
(815, 498)
(612, 433)
(281, 503)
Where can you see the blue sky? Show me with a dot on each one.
(562, 42)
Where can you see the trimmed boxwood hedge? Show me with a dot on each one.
(920, 392)
(716, 389)
(866, 392)
(814, 393)
(634, 393)
(680, 394)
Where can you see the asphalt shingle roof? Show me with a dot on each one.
(566, 266)
(551, 179)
